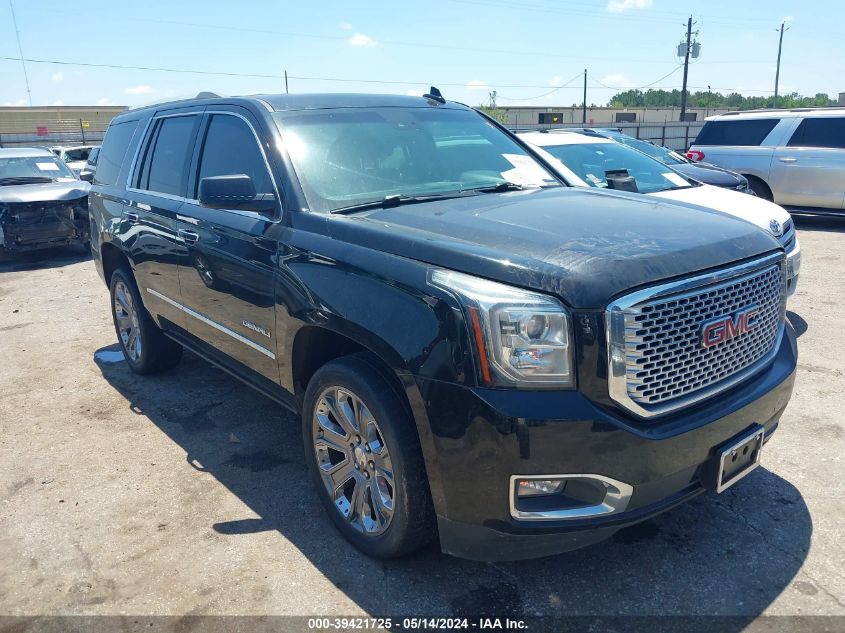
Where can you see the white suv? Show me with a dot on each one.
(793, 157)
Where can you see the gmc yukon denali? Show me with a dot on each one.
(479, 353)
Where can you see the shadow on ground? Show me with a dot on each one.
(727, 554)
(40, 259)
(823, 223)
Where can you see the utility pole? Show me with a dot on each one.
(686, 69)
(584, 110)
(777, 72)
(20, 52)
(286, 81)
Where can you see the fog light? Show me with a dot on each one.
(535, 487)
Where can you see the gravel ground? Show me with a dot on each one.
(186, 493)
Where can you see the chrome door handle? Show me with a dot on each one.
(189, 236)
(788, 159)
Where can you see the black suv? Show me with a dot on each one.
(477, 351)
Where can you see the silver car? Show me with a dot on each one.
(795, 158)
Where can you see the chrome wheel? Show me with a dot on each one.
(126, 319)
(353, 460)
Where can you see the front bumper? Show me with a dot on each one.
(481, 437)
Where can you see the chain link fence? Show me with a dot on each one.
(48, 127)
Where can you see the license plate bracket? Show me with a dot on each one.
(735, 459)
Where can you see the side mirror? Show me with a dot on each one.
(87, 176)
(234, 191)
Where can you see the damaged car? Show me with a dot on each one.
(42, 203)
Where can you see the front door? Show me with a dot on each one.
(227, 277)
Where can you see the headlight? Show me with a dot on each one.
(521, 338)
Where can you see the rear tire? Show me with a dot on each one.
(760, 188)
(363, 452)
(145, 347)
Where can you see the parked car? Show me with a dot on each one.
(477, 351)
(587, 160)
(793, 157)
(87, 172)
(42, 203)
(703, 172)
(75, 157)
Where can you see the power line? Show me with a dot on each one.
(545, 94)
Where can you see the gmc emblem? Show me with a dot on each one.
(725, 328)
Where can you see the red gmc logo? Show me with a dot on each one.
(729, 327)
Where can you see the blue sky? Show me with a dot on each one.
(527, 50)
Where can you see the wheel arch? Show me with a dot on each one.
(112, 258)
(315, 345)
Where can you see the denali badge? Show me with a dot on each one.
(725, 328)
(255, 328)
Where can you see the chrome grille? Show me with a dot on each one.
(788, 238)
(658, 361)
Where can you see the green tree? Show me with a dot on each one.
(653, 98)
(494, 113)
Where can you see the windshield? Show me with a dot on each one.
(352, 156)
(34, 169)
(590, 162)
(663, 154)
(77, 154)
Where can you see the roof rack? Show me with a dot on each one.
(764, 110)
(200, 95)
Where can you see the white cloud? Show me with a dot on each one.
(415, 93)
(57, 76)
(138, 90)
(15, 104)
(58, 102)
(617, 81)
(345, 26)
(787, 18)
(618, 6)
(477, 84)
(555, 81)
(105, 101)
(359, 39)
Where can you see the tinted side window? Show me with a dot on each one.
(230, 148)
(166, 160)
(820, 132)
(113, 152)
(745, 132)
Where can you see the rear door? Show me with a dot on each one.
(227, 276)
(743, 145)
(809, 170)
(157, 186)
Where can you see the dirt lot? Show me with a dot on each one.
(186, 493)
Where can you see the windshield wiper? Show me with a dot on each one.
(498, 188)
(397, 200)
(24, 180)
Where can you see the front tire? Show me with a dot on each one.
(363, 453)
(145, 347)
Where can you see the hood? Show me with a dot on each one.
(584, 246)
(44, 192)
(709, 174)
(760, 212)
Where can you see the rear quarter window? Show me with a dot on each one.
(820, 132)
(113, 151)
(741, 132)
